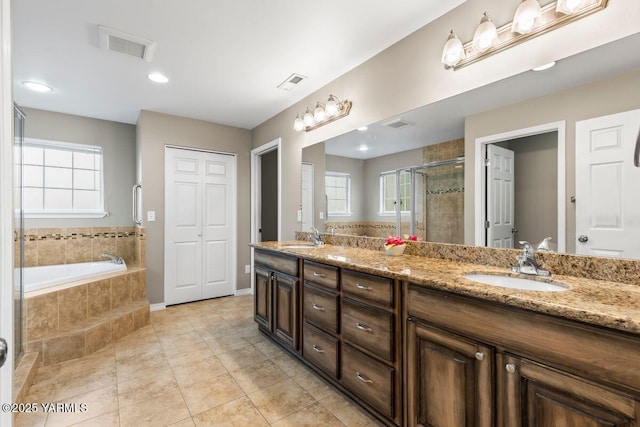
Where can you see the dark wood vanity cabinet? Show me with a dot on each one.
(277, 293)
(473, 363)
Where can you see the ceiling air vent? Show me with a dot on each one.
(398, 123)
(117, 41)
(291, 82)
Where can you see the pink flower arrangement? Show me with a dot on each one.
(399, 241)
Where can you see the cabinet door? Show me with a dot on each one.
(449, 380)
(536, 395)
(285, 293)
(262, 310)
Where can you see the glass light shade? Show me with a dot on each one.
(318, 113)
(486, 35)
(308, 119)
(298, 124)
(526, 16)
(453, 51)
(331, 107)
(568, 6)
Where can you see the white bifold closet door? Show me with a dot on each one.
(200, 212)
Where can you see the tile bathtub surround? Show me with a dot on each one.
(51, 246)
(197, 364)
(71, 322)
(369, 228)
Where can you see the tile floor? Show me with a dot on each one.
(198, 364)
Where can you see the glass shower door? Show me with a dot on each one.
(18, 231)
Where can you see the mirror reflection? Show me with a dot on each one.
(377, 181)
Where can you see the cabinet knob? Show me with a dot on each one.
(363, 378)
(317, 349)
(317, 274)
(317, 307)
(363, 328)
(480, 355)
(510, 367)
(362, 287)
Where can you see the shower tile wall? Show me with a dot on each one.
(51, 246)
(444, 201)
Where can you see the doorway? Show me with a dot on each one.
(266, 196)
(306, 214)
(200, 225)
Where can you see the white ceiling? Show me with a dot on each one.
(224, 59)
(444, 120)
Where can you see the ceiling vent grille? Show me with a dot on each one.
(291, 82)
(398, 123)
(117, 41)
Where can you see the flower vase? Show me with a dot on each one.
(395, 250)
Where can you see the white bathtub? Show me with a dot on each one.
(49, 275)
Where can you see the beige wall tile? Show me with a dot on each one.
(67, 347)
(30, 253)
(97, 337)
(99, 297)
(141, 317)
(42, 315)
(102, 245)
(78, 250)
(139, 285)
(126, 249)
(121, 326)
(72, 306)
(120, 291)
(51, 252)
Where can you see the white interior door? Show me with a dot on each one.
(500, 191)
(607, 195)
(199, 225)
(307, 196)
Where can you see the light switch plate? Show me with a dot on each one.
(321, 215)
(247, 269)
(151, 216)
(299, 214)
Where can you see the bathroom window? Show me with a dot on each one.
(337, 188)
(62, 180)
(388, 192)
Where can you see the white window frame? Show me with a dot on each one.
(347, 193)
(99, 212)
(383, 190)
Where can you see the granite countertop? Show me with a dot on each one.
(598, 302)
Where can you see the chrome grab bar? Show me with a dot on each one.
(135, 213)
(636, 155)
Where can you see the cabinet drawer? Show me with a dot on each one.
(368, 327)
(320, 349)
(320, 308)
(375, 289)
(321, 274)
(369, 379)
(283, 263)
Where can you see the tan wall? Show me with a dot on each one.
(409, 74)
(156, 130)
(614, 95)
(118, 147)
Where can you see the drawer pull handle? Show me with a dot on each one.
(510, 367)
(317, 349)
(480, 355)
(363, 378)
(317, 307)
(362, 287)
(363, 328)
(317, 274)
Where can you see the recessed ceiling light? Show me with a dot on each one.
(363, 128)
(544, 67)
(38, 87)
(363, 148)
(157, 77)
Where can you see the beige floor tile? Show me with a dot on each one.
(162, 410)
(134, 367)
(346, 411)
(281, 399)
(209, 394)
(98, 402)
(188, 355)
(239, 412)
(256, 377)
(289, 365)
(241, 358)
(143, 349)
(30, 419)
(110, 419)
(79, 384)
(312, 384)
(184, 423)
(269, 348)
(203, 371)
(143, 388)
(228, 343)
(311, 416)
(171, 341)
(41, 392)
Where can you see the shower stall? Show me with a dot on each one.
(435, 199)
(18, 231)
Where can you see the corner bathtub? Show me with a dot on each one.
(36, 278)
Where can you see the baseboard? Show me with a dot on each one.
(246, 291)
(157, 307)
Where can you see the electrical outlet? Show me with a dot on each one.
(247, 269)
(151, 216)
(299, 214)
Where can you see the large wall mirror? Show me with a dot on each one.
(422, 163)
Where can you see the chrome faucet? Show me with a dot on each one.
(544, 245)
(114, 259)
(527, 262)
(315, 237)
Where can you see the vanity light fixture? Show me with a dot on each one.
(333, 109)
(38, 87)
(530, 20)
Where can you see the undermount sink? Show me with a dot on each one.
(515, 283)
(298, 246)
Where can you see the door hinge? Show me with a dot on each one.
(487, 162)
(487, 224)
